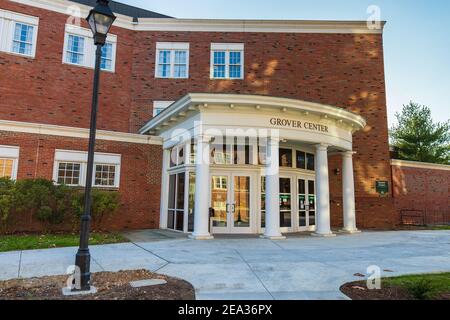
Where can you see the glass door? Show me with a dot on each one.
(306, 204)
(231, 205)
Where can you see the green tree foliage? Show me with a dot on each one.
(416, 137)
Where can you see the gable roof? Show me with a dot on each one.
(125, 9)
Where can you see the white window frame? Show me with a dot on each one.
(227, 48)
(81, 158)
(160, 105)
(88, 48)
(11, 153)
(8, 20)
(172, 47)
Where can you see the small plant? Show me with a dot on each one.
(7, 200)
(421, 289)
(104, 203)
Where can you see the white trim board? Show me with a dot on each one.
(73, 132)
(216, 25)
(420, 165)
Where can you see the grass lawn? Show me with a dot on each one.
(423, 287)
(441, 228)
(28, 242)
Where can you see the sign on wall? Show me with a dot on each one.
(382, 187)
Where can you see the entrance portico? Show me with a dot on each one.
(252, 164)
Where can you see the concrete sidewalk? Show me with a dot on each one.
(252, 268)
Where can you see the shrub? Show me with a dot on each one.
(104, 203)
(420, 289)
(7, 200)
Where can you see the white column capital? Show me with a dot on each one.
(204, 138)
(348, 154)
(322, 146)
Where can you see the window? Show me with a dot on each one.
(286, 158)
(310, 162)
(285, 202)
(9, 157)
(227, 61)
(175, 214)
(79, 49)
(70, 169)
(159, 106)
(172, 60)
(75, 50)
(69, 173)
(177, 156)
(105, 175)
(18, 33)
(23, 39)
(106, 61)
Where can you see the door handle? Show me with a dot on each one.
(228, 208)
(233, 207)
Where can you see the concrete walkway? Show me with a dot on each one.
(300, 267)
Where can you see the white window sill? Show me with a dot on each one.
(86, 67)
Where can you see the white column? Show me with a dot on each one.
(323, 228)
(164, 190)
(202, 191)
(348, 193)
(272, 172)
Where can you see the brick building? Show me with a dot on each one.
(290, 114)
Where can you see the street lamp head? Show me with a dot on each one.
(100, 20)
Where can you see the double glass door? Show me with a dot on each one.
(231, 202)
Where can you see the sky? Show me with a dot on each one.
(416, 37)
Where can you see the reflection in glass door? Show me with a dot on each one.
(241, 204)
(306, 203)
(219, 201)
(231, 203)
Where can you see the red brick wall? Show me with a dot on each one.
(140, 184)
(422, 190)
(344, 70)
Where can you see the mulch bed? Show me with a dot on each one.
(358, 291)
(110, 286)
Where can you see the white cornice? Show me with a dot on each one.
(73, 132)
(216, 25)
(194, 99)
(420, 165)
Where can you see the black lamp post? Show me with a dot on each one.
(100, 20)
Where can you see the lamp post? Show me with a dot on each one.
(100, 20)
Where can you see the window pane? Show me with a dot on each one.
(106, 61)
(164, 70)
(235, 57)
(286, 158)
(68, 173)
(301, 186)
(6, 167)
(285, 185)
(170, 219)
(180, 57)
(301, 161)
(180, 191)
(164, 56)
(191, 201)
(285, 219)
(219, 57)
(235, 71)
(310, 161)
(75, 49)
(179, 71)
(172, 186)
(219, 71)
(23, 37)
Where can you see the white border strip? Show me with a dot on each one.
(216, 25)
(72, 132)
(420, 165)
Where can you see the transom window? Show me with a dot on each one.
(172, 60)
(105, 175)
(227, 61)
(69, 173)
(23, 39)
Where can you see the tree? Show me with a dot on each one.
(417, 138)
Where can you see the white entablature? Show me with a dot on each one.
(247, 115)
